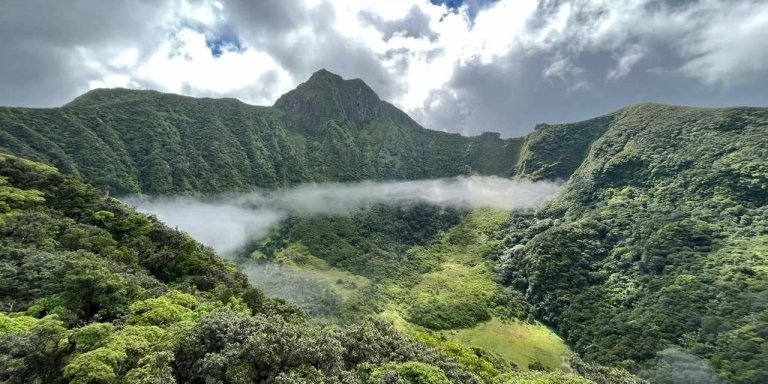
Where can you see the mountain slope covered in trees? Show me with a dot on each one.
(657, 246)
(653, 257)
(328, 129)
(422, 267)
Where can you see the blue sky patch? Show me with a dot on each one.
(451, 4)
(473, 6)
(223, 42)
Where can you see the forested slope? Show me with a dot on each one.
(328, 129)
(659, 241)
(654, 257)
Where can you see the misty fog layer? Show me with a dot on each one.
(227, 222)
(296, 286)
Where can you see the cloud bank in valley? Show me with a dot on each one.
(228, 222)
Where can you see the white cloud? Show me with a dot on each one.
(125, 59)
(228, 222)
(206, 12)
(732, 47)
(626, 61)
(184, 64)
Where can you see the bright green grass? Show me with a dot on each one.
(455, 296)
(516, 341)
(453, 281)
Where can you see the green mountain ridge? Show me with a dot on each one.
(657, 242)
(328, 129)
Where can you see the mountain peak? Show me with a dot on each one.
(322, 74)
(328, 78)
(327, 96)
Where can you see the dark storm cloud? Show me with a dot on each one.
(511, 95)
(415, 24)
(39, 40)
(277, 26)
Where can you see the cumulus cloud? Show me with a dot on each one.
(228, 222)
(463, 66)
(415, 24)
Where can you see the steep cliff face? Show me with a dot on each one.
(554, 151)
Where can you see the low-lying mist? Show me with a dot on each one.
(299, 287)
(227, 222)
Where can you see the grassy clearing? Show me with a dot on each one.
(455, 296)
(516, 341)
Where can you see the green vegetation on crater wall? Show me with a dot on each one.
(657, 241)
(554, 151)
(328, 129)
(517, 341)
(436, 278)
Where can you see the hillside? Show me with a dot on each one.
(421, 267)
(327, 129)
(93, 292)
(657, 247)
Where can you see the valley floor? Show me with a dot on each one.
(455, 299)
